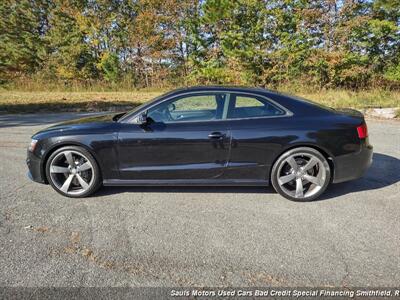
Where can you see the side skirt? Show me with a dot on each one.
(183, 182)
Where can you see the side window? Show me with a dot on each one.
(198, 107)
(244, 101)
(243, 106)
(206, 102)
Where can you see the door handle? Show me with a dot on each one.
(216, 135)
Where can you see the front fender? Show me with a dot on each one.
(100, 146)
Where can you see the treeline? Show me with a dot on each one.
(157, 43)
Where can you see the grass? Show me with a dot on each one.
(352, 99)
(22, 101)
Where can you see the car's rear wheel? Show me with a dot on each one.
(301, 174)
(73, 172)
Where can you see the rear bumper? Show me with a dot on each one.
(354, 165)
(35, 170)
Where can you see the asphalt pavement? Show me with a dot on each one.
(192, 236)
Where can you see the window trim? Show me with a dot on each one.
(226, 106)
(228, 93)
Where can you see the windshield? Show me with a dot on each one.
(118, 116)
(148, 103)
(138, 108)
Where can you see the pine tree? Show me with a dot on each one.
(23, 25)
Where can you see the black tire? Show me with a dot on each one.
(297, 153)
(95, 174)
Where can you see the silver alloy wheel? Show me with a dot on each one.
(72, 172)
(301, 175)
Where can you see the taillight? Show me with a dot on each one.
(362, 131)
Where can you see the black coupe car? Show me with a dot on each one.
(206, 136)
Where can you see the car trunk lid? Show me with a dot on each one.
(350, 112)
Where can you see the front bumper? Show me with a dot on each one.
(35, 169)
(354, 165)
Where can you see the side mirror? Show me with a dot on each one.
(140, 119)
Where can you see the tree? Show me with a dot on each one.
(324, 43)
(69, 55)
(23, 25)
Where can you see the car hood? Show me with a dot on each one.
(91, 122)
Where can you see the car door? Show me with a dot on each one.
(185, 138)
(257, 134)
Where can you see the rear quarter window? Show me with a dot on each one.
(249, 106)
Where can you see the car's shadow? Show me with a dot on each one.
(110, 190)
(383, 172)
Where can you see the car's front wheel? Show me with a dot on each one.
(73, 172)
(301, 174)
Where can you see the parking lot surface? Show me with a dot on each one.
(192, 236)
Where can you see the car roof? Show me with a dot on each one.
(219, 88)
(290, 102)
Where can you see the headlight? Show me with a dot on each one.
(32, 145)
